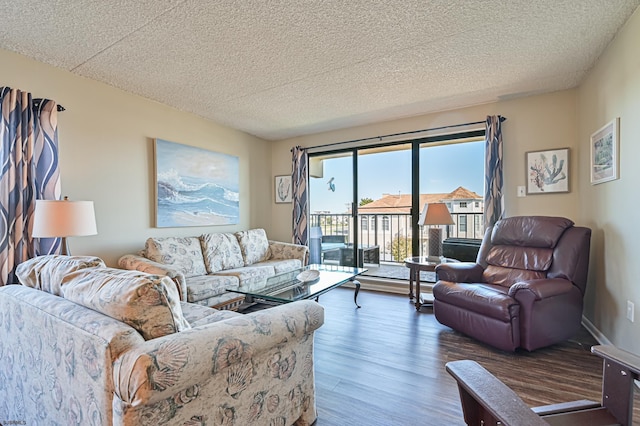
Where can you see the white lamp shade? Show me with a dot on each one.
(63, 218)
(435, 214)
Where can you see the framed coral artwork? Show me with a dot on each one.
(547, 171)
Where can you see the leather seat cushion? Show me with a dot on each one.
(485, 299)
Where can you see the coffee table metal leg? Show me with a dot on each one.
(355, 295)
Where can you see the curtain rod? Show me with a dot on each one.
(403, 133)
(38, 101)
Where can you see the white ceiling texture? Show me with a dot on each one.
(278, 69)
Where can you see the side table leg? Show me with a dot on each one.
(418, 303)
(355, 295)
(412, 274)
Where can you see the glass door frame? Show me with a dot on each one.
(416, 144)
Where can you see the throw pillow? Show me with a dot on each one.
(221, 251)
(46, 272)
(181, 253)
(148, 303)
(254, 245)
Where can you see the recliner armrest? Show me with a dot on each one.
(460, 272)
(543, 288)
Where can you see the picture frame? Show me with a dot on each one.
(283, 190)
(195, 186)
(547, 171)
(605, 157)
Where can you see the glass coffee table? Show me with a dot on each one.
(286, 287)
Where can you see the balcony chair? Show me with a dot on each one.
(487, 401)
(526, 288)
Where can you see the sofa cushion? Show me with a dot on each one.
(254, 245)
(46, 272)
(198, 315)
(485, 299)
(206, 286)
(181, 253)
(148, 303)
(282, 265)
(221, 251)
(250, 275)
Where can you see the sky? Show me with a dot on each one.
(442, 169)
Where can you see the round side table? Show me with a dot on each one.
(415, 265)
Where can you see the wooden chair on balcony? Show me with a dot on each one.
(488, 401)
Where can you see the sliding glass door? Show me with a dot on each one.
(365, 201)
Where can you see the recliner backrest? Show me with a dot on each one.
(524, 248)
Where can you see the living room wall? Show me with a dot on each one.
(612, 89)
(106, 155)
(533, 123)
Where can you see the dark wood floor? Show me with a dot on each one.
(383, 365)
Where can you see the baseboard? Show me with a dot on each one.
(593, 330)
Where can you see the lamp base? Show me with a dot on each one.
(435, 242)
(64, 247)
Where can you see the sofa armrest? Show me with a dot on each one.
(280, 250)
(142, 264)
(162, 368)
(459, 272)
(543, 288)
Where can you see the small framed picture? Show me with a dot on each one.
(283, 190)
(547, 171)
(604, 153)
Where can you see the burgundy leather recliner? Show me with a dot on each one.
(526, 289)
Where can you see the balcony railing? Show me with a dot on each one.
(392, 232)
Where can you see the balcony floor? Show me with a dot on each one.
(395, 271)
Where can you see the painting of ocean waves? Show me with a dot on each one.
(195, 187)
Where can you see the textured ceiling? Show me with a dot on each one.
(278, 69)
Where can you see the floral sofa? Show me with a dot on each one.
(83, 344)
(205, 267)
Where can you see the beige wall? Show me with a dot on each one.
(106, 155)
(533, 123)
(612, 89)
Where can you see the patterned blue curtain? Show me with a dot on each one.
(299, 183)
(493, 196)
(29, 171)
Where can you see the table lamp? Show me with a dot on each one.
(62, 219)
(434, 215)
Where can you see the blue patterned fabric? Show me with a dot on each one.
(28, 171)
(299, 180)
(493, 196)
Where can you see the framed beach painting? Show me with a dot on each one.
(195, 186)
(604, 153)
(547, 171)
(283, 190)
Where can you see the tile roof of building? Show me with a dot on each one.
(401, 203)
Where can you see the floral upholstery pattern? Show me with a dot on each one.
(283, 251)
(139, 263)
(56, 359)
(64, 364)
(197, 315)
(254, 245)
(148, 303)
(46, 272)
(249, 275)
(207, 288)
(259, 366)
(183, 254)
(221, 251)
